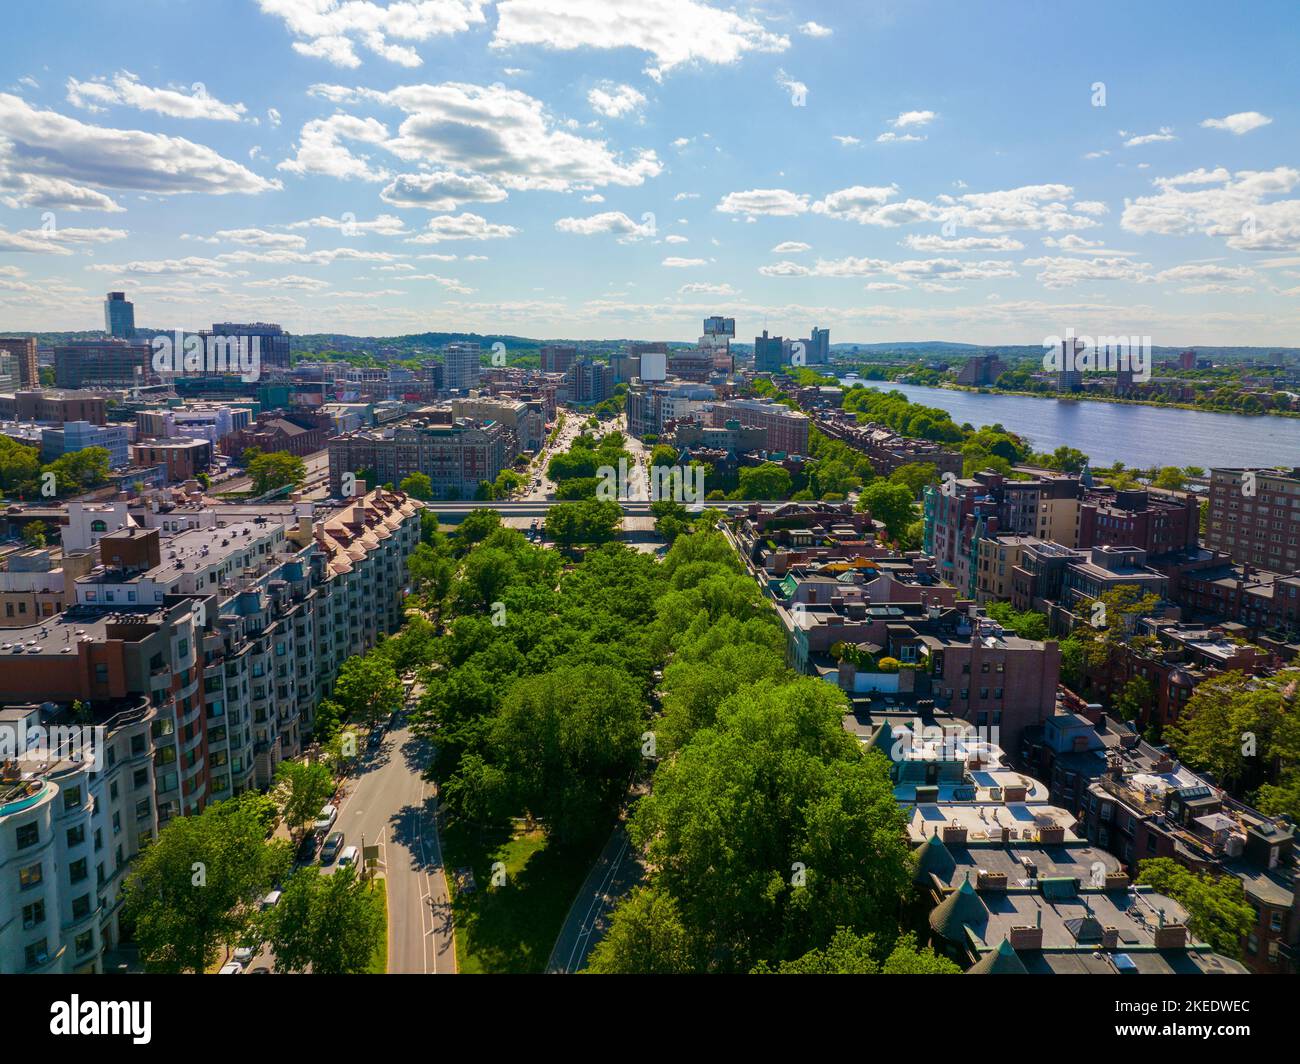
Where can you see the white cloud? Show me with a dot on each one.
(897, 138)
(797, 89)
(45, 144)
(614, 101)
(610, 222)
(680, 264)
(813, 29)
(846, 140)
(52, 193)
(441, 190)
(192, 266)
(1240, 123)
(1165, 133)
(321, 149)
(774, 201)
(381, 225)
(791, 247)
(328, 29)
(462, 227)
(253, 238)
(1239, 208)
(1204, 271)
(126, 90)
(52, 241)
(1199, 176)
(672, 32)
(495, 131)
(1060, 272)
(292, 280)
(908, 119)
(932, 242)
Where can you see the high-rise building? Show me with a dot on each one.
(557, 358)
(119, 316)
(461, 366)
(1070, 379)
(981, 370)
(115, 363)
(8, 371)
(787, 430)
(273, 344)
(1255, 517)
(590, 382)
(716, 344)
(769, 354)
(23, 350)
(817, 348)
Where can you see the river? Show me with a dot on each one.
(1138, 436)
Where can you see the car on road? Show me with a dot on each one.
(349, 856)
(331, 848)
(231, 969)
(376, 737)
(325, 820)
(243, 956)
(307, 848)
(261, 969)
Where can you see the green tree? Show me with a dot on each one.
(368, 689)
(196, 887)
(20, 467)
(302, 787)
(1216, 905)
(891, 503)
(278, 469)
(80, 471)
(583, 522)
(34, 533)
(417, 485)
(766, 481)
(330, 925)
(915, 475)
(645, 937)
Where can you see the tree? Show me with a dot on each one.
(915, 475)
(645, 937)
(278, 469)
(890, 503)
(766, 481)
(302, 787)
(331, 925)
(1172, 478)
(368, 688)
(196, 887)
(79, 471)
(476, 527)
(1216, 905)
(1028, 624)
(906, 958)
(431, 571)
(34, 533)
(417, 485)
(846, 954)
(588, 521)
(20, 467)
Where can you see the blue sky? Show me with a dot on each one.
(601, 168)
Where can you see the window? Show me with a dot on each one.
(27, 835)
(33, 914)
(36, 953)
(71, 798)
(81, 907)
(76, 836)
(29, 877)
(78, 870)
(84, 943)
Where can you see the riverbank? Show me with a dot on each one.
(1089, 398)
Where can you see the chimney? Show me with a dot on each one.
(1110, 938)
(1171, 936)
(847, 675)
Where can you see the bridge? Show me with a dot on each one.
(452, 512)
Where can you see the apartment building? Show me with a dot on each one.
(23, 350)
(454, 453)
(1255, 517)
(72, 817)
(787, 430)
(114, 363)
(53, 405)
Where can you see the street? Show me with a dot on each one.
(616, 871)
(390, 806)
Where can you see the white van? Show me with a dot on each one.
(349, 856)
(325, 821)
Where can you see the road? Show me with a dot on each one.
(389, 805)
(616, 871)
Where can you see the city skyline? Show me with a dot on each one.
(584, 171)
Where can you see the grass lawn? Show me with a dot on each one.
(511, 928)
(379, 961)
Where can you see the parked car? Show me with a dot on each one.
(330, 850)
(242, 956)
(326, 820)
(349, 856)
(231, 969)
(307, 848)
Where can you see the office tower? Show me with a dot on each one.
(1070, 379)
(817, 348)
(115, 363)
(461, 366)
(272, 341)
(8, 371)
(23, 349)
(557, 358)
(769, 354)
(119, 316)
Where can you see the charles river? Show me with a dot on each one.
(1138, 436)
